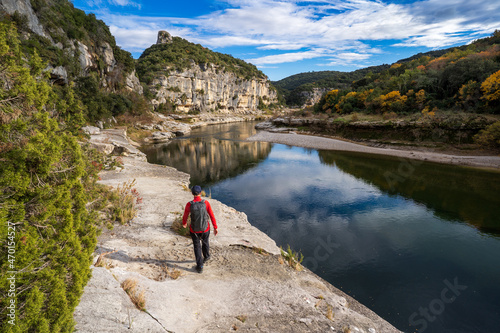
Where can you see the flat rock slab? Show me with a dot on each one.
(244, 286)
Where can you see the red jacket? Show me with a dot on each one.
(187, 211)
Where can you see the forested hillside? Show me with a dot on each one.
(292, 87)
(466, 79)
(180, 54)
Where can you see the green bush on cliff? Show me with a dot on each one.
(181, 54)
(47, 224)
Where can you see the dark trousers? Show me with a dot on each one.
(203, 250)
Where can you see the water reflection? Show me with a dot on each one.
(212, 153)
(393, 243)
(453, 193)
(391, 248)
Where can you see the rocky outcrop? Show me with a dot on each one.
(23, 7)
(313, 96)
(164, 37)
(113, 142)
(209, 87)
(206, 88)
(94, 56)
(132, 83)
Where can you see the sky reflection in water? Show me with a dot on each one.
(391, 252)
(390, 247)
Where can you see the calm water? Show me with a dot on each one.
(418, 243)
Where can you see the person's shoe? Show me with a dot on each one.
(199, 269)
(206, 259)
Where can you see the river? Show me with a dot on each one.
(418, 243)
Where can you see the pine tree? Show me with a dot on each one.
(46, 180)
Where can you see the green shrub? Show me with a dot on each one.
(292, 258)
(181, 54)
(47, 222)
(490, 136)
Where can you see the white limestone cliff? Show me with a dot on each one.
(208, 87)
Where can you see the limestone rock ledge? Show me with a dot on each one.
(207, 88)
(243, 286)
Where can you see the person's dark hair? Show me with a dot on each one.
(196, 190)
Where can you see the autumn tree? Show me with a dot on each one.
(393, 101)
(491, 90)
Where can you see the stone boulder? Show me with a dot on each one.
(91, 130)
(164, 37)
(159, 137)
(58, 75)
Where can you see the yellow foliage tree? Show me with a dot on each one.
(491, 88)
(393, 101)
(331, 98)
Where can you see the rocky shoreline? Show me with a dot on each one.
(245, 287)
(288, 136)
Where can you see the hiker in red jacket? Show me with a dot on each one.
(200, 211)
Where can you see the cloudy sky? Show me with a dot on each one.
(285, 37)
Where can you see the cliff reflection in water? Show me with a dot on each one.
(210, 159)
(452, 192)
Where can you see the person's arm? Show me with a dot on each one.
(187, 210)
(212, 216)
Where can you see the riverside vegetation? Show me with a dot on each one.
(454, 88)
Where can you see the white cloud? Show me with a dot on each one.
(347, 58)
(120, 3)
(339, 30)
(125, 3)
(286, 57)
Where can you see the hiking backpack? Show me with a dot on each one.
(199, 216)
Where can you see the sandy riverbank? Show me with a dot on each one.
(240, 288)
(316, 142)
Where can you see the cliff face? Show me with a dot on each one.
(206, 86)
(312, 97)
(88, 54)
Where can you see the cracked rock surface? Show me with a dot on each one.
(243, 287)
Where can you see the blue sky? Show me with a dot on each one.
(286, 37)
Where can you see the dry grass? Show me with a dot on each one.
(242, 318)
(329, 312)
(123, 201)
(177, 226)
(174, 273)
(260, 250)
(102, 261)
(136, 296)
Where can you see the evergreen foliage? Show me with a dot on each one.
(181, 54)
(47, 181)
